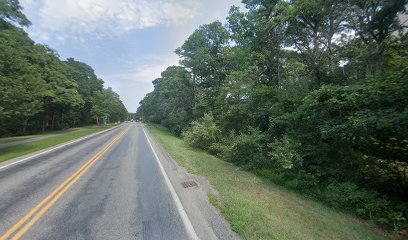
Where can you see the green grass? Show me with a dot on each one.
(18, 138)
(258, 209)
(25, 137)
(11, 152)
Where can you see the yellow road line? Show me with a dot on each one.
(56, 194)
(34, 210)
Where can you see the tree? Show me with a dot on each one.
(88, 85)
(375, 21)
(171, 101)
(311, 27)
(10, 11)
(107, 106)
(202, 54)
(21, 83)
(311, 94)
(41, 92)
(61, 94)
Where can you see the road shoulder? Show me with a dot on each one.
(207, 220)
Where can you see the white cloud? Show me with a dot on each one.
(136, 79)
(144, 69)
(43, 36)
(108, 17)
(28, 3)
(151, 71)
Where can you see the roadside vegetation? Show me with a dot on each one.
(259, 209)
(308, 94)
(19, 150)
(41, 92)
(18, 138)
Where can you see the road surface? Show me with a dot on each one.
(109, 186)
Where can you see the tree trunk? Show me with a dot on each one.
(379, 60)
(44, 122)
(62, 119)
(52, 121)
(194, 91)
(329, 45)
(25, 123)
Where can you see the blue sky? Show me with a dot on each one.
(127, 42)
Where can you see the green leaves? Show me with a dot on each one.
(39, 91)
(284, 153)
(202, 133)
(10, 10)
(312, 91)
(21, 83)
(107, 107)
(171, 102)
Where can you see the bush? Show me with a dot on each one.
(346, 196)
(284, 154)
(202, 133)
(246, 149)
(299, 181)
(364, 203)
(176, 122)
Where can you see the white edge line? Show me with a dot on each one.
(55, 148)
(183, 214)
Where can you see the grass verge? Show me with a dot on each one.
(40, 134)
(11, 152)
(257, 209)
(18, 138)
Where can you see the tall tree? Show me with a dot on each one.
(171, 101)
(61, 93)
(10, 11)
(375, 21)
(202, 54)
(21, 83)
(89, 84)
(107, 107)
(309, 93)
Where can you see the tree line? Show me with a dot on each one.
(310, 94)
(39, 91)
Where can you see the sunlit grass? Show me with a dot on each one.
(257, 209)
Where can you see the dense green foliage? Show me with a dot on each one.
(39, 91)
(203, 134)
(258, 210)
(171, 103)
(309, 94)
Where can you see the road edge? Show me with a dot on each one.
(183, 213)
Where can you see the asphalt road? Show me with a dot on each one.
(109, 186)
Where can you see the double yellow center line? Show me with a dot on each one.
(25, 223)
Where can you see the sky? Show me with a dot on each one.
(128, 42)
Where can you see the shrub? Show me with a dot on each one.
(364, 203)
(176, 122)
(202, 133)
(284, 154)
(246, 149)
(307, 183)
(218, 149)
(299, 181)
